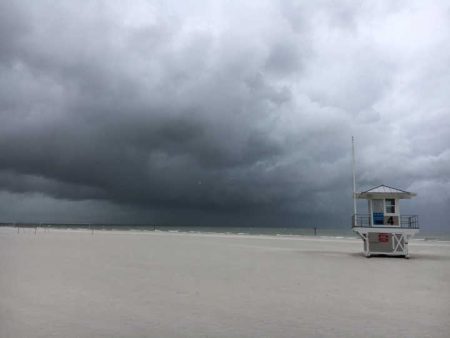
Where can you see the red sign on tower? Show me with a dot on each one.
(383, 238)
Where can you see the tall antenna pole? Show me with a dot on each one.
(354, 181)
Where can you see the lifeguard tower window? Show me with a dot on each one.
(390, 206)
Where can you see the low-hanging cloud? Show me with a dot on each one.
(223, 113)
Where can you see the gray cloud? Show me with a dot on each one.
(194, 114)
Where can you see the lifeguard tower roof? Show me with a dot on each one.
(384, 191)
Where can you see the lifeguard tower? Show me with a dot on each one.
(383, 230)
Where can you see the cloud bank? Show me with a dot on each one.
(224, 113)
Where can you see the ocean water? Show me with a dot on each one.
(424, 234)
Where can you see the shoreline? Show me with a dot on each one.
(299, 237)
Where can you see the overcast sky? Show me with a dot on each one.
(221, 112)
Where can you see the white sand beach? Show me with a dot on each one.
(67, 283)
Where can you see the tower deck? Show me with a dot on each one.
(389, 240)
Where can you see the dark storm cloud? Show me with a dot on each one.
(195, 113)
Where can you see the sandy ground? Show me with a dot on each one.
(64, 283)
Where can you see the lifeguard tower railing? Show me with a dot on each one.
(406, 222)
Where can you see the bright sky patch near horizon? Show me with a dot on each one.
(221, 113)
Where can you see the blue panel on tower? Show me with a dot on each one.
(378, 218)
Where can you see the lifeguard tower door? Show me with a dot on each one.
(377, 211)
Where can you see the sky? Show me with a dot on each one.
(227, 113)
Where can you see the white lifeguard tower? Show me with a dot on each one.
(383, 230)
